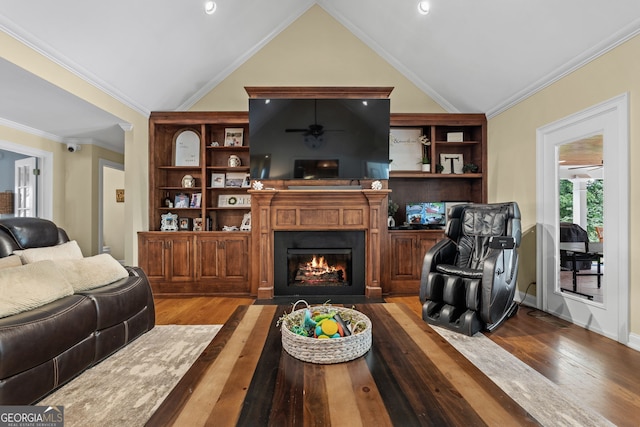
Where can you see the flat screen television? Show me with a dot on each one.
(426, 213)
(319, 138)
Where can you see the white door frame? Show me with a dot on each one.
(44, 180)
(610, 318)
(102, 163)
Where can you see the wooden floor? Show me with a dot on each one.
(601, 373)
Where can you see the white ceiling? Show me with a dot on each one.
(468, 55)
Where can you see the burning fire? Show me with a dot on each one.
(319, 269)
(320, 264)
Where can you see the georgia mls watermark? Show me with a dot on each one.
(31, 416)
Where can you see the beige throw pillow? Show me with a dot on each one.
(68, 250)
(91, 272)
(10, 261)
(31, 286)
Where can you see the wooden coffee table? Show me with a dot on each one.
(411, 376)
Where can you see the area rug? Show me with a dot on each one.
(126, 388)
(544, 400)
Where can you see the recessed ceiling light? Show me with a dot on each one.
(423, 7)
(210, 7)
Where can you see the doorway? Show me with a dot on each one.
(611, 316)
(111, 212)
(44, 181)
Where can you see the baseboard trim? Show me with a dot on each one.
(634, 341)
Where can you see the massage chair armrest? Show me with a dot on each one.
(498, 283)
(443, 252)
(500, 264)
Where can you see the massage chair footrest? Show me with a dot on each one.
(447, 316)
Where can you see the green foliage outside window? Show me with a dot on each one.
(595, 205)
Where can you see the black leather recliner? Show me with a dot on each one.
(468, 279)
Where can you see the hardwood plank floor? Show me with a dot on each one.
(601, 373)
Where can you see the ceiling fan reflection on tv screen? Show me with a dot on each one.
(314, 134)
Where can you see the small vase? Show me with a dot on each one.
(391, 222)
(426, 167)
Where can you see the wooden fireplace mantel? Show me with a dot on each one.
(297, 210)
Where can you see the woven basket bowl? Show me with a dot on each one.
(327, 351)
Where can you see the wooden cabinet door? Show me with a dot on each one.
(223, 257)
(403, 256)
(180, 258)
(424, 243)
(235, 258)
(407, 250)
(209, 258)
(152, 257)
(166, 258)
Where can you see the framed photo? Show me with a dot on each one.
(186, 148)
(181, 201)
(246, 222)
(234, 179)
(451, 163)
(234, 200)
(233, 137)
(120, 195)
(405, 149)
(217, 180)
(247, 181)
(168, 222)
(196, 200)
(184, 224)
(197, 224)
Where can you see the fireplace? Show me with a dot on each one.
(319, 262)
(339, 211)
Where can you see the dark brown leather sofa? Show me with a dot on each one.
(44, 348)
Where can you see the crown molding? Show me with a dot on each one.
(578, 62)
(30, 130)
(56, 57)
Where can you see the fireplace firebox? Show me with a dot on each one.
(319, 263)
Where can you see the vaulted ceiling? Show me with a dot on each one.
(467, 55)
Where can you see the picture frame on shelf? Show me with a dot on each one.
(234, 179)
(233, 137)
(184, 224)
(186, 148)
(234, 201)
(217, 180)
(247, 181)
(451, 163)
(181, 201)
(169, 222)
(246, 222)
(196, 200)
(405, 149)
(197, 224)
